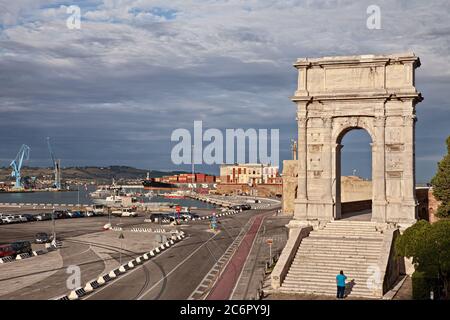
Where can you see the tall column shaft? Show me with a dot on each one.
(408, 159)
(302, 163)
(379, 171)
(327, 161)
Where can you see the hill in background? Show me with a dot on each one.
(87, 173)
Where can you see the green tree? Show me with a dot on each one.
(441, 184)
(429, 246)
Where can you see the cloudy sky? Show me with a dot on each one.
(113, 91)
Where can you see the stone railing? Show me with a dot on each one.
(281, 269)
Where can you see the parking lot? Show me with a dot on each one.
(84, 244)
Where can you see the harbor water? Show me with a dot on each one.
(82, 196)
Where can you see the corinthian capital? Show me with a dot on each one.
(409, 119)
(302, 121)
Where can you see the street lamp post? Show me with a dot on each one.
(53, 226)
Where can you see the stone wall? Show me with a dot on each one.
(355, 189)
(261, 190)
(433, 205)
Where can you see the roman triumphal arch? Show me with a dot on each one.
(371, 92)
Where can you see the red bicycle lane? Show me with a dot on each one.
(224, 286)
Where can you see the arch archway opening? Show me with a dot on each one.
(353, 191)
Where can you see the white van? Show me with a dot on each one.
(129, 213)
(98, 209)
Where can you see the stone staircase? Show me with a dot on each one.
(352, 246)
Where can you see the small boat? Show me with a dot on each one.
(174, 195)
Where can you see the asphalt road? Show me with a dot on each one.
(176, 273)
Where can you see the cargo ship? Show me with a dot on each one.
(203, 187)
(150, 184)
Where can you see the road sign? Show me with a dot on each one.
(178, 208)
(269, 241)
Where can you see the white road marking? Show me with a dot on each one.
(176, 267)
(124, 275)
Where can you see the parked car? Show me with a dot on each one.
(29, 217)
(72, 214)
(10, 219)
(188, 215)
(42, 237)
(90, 213)
(44, 216)
(21, 218)
(75, 214)
(98, 209)
(6, 250)
(61, 214)
(159, 217)
(22, 247)
(246, 207)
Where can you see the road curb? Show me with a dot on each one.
(91, 286)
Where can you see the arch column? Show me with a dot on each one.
(379, 171)
(302, 194)
(327, 211)
(409, 200)
(336, 182)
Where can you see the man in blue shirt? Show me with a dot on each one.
(340, 281)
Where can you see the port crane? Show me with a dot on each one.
(56, 166)
(16, 164)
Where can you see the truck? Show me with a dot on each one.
(127, 212)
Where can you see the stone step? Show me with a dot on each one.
(346, 232)
(344, 251)
(329, 274)
(324, 284)
(346, 245)
(337, 253)
(331, 237)
(300, 257)
(310, 271)
(326, 292)
(324, 287)
(360, 283)
(352, 222)
(335, 260)
(347, 265)
(343, 241)
(342, 227)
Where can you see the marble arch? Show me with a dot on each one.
(372, 92)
